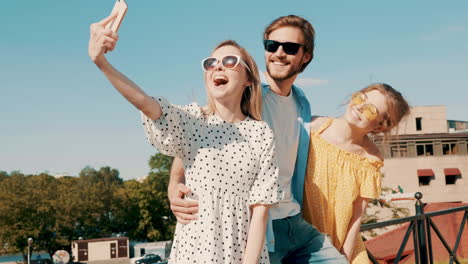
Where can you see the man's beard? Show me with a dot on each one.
(282, 77)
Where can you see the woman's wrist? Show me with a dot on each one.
(100, 61)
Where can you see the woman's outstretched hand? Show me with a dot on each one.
(101, 39)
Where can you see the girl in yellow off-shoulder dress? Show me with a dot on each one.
(343, 171)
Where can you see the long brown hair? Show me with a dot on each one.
(251, 102)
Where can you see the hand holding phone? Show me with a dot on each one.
(120, 8)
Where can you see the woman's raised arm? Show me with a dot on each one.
(103, 40)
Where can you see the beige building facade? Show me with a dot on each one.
(430, 156)
(424, 120)
(100, 249)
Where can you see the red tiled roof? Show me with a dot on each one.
(386, 246)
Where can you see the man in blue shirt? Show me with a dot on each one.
(289, 47)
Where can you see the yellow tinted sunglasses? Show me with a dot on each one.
(368, 110)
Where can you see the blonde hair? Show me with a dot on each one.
(251, 102)
(397, 106)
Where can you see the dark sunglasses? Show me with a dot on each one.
(228, 62)
(289, 48)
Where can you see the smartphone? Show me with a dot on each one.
(120, 8)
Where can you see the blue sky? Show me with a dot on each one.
(58, 113)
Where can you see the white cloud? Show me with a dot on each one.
(307, 82)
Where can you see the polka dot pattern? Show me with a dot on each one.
(228, 167)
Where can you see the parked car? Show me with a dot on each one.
(149, 259)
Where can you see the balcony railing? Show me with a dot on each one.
(420, 225)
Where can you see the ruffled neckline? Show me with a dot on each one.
(219, 120)
(376, 163)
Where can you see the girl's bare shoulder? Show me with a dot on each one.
(317, 122)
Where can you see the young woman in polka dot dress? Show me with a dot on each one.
(227, 152)
(343, 170)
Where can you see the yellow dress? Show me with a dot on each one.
(334, 179)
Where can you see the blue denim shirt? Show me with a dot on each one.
(297, 182)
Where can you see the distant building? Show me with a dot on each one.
(142, 179)
(100, 249)
(430, 156)
(455, 126)
(161, 248)
(61, 175)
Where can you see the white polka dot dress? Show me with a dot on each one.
(228, 167)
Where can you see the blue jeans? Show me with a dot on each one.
(297, 241)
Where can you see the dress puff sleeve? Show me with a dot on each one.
(371, 181)
(170, 133)
(264, 189)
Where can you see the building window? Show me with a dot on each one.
(452, 175)
(424, 180)
(449, 147)
(425, 176)
(424, 148)
(450, 179)
(399, 149)
(418, 123)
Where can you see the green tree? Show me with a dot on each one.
(55, 211)
(97, 202)
(149, 205)
(26, 210)
(129, 216)
(3, 175)
(67, 210)
(158, 180)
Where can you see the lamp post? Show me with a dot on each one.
(30, 241)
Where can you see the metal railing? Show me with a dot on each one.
(420, 225)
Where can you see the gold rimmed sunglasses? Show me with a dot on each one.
(368, 110)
